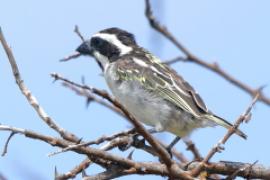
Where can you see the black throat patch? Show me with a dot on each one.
(105, 48)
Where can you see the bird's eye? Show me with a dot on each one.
(96, 42)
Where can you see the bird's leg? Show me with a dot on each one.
(153, 130)
(137, 139)
(170, 146)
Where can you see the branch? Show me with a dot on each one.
(190, 57)
(163, 154)
(97, 155)
(246, 115)
(76, 170)
(227, 168)
(96, 142)
(192, 147)
(90, 97)
(30, 97)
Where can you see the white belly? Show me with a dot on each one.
(150, 109)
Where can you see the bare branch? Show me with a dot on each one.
(97, 155)
(77, 31)
(30, 97)
(98, 141)
(76, 170)
(230, 132)
(225, 168)
(192, 147)
(164, 155)
(253, 171)
(82, 92)
(190, 57)
(245, 167)
(176, 59)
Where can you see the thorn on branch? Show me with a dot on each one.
(7, 142)
(84, 174)
(130, 154)
(56, 174)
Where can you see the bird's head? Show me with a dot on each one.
(108, 45)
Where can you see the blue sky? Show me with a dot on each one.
(233, 33)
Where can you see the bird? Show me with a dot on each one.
(151, 91)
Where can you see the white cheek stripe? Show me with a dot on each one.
(113, 39)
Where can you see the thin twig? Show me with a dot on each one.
(30, 97)
(76, 170)
(164, 155)
(190, 57)
(225, 168)
(77, 31)
(97, 141)
(84, 164)
(192, 147)
(75, 54)
(174, 60)
(229, 133)
(90, 97)
(245, 167)
(96, 155)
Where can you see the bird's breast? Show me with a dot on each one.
(148, 106)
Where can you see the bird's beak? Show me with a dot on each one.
(85, 48)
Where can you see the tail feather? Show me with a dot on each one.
(226, 124)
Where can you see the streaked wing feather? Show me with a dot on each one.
(165, 81)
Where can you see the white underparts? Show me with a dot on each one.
(102, 59)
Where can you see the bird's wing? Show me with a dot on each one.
(158, 77)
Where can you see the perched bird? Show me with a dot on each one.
(150, 90)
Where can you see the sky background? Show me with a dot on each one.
(233, 33)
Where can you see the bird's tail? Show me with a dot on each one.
(226, 124)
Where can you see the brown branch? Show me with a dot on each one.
(96, 155)
(192, 147)
(190, 57)
(82, 92)
(75, 171)
(254, 171)
(84, 164)
(30, 97)
(96, 142)
(245, 167)
(229, 133)
(91, 97)
(163, 154)
(224, 168)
